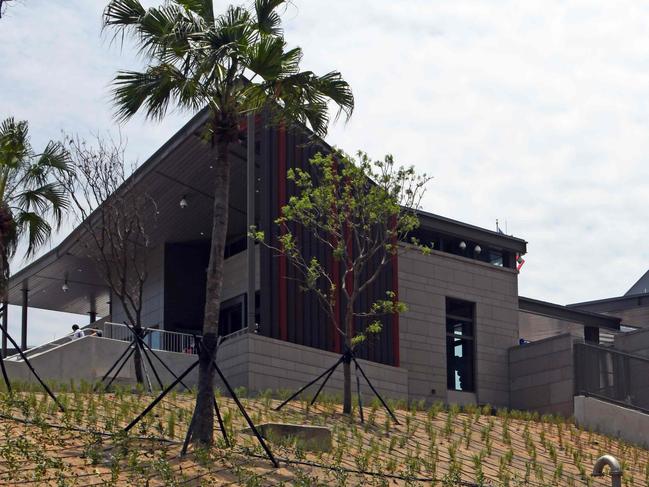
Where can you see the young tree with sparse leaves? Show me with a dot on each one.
(360, 210)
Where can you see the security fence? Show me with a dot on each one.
(611, 375)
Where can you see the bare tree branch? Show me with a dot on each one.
(118, 219)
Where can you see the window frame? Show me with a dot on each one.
(450, 345)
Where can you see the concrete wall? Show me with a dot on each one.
(613, 420)
(637, 316)
(88, 359)
(249, 360)
(533, 327)
(235, 282)
(153, 299)
(424, 283)
(275, 364)
(635, 342)
(542, 375)
(235, 274)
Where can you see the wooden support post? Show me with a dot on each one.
(23, 334)
(250, 220)
(93, 316)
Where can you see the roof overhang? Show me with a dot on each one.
(430, 221)
(180, 168)
(613, 304)
(565, 313)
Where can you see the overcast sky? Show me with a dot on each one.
(535, 113)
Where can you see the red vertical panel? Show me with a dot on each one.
(281, 201)
(395, 289)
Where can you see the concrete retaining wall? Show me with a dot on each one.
(542, 375)
(89, 358)
(252, 361)
(611, 419)
(275, 364)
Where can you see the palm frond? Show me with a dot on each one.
(333, 86)
(14, 143)
(33, 228)
(154, 89)
(48, 199)
(304, 97)
(122, 14)
(266, 57)
(54, 159)
(202, 8)
(161, 32)
(268, 20)
(234, 27)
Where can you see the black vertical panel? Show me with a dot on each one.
(273, 157)
(307, 322)
(270, 185)
(265, 224)
(292, 323)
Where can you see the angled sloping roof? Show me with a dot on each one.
(640, 287)
(567, 313)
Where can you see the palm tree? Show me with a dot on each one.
(30, 194)
(233, 64)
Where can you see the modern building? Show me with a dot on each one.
(459, 341)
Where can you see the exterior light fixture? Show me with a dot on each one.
(477, 249)
(462, 245)
(183, 202)
(65, 288)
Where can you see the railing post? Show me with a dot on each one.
(23, 335)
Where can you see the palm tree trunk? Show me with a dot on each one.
(7, 233)
(204, 413)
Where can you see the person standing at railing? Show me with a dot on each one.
(77, 332)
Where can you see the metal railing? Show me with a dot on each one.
(612, 375)
(169, 341)
(57, 342)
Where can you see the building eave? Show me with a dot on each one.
(566, 313)
(430, 221)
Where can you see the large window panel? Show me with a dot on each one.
(460, 345)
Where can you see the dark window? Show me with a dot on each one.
(232, 315)
(460, 345)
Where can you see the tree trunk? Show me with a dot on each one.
(204, 413)
(347, 366)
(137, 357)
(7, 234)
(347, 387)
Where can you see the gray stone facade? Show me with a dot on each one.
(425, 281)
(542, 375)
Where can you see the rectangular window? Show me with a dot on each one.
(460, 345)
(232, 315)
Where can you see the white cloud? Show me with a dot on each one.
(535, 113)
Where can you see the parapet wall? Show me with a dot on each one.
(252, 361)
(542, 375)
